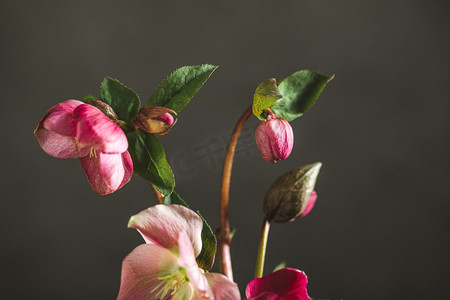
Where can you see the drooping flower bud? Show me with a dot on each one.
(72, 129)
(292, 195)
(274, 138)
(155, 119)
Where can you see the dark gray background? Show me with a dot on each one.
(381, 129)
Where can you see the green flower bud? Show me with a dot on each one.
(287, 198)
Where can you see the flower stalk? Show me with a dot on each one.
(159, 196)
(261, 256)
(224, 236)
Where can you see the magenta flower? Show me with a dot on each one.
(274, 138)
(284, 284)
(165, 267)
(72, 129)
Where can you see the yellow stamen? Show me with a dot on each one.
(92, 152)
(171, 283)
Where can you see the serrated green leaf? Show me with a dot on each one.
(266, 94)
(149, 160)
(205, 259)
(180, 87)
(123, 100)
(299, 91)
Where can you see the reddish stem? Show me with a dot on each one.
(224, 236)
(159, 196)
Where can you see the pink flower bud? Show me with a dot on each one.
(292, 195)
(311, 202)
(73, 129)
(155, 119)
(274, 138)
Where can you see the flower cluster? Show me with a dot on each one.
(180, 247)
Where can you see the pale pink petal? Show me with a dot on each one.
(283, 282)
(222, 287)
(195, 274)
(142, 270)
(162, 224)
(311, 201)
(56, 145)
(128, 168)
(96, 130)
(104, 171)
(186, 252)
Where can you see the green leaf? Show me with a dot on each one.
(266, 94)
(280, 266)
(205, 259)
(124, 101)
(149, 160)
(299, 91)
(177, 90)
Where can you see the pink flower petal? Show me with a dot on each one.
(96, 130)
(60, 118)
(61, 122)
(55, 144)
(263, 143)
(222, 287)
(56, 131)
(283, 282)
(266, 296)
(295, 297)
(68, 106)
(195, 274)
(105, 172)
(142, 270)
(162, 224)
(128, 168)
(282, 139)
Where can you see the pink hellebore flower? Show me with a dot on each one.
(72, 129)
(274, 138)
(284, 284)
(165, 267)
